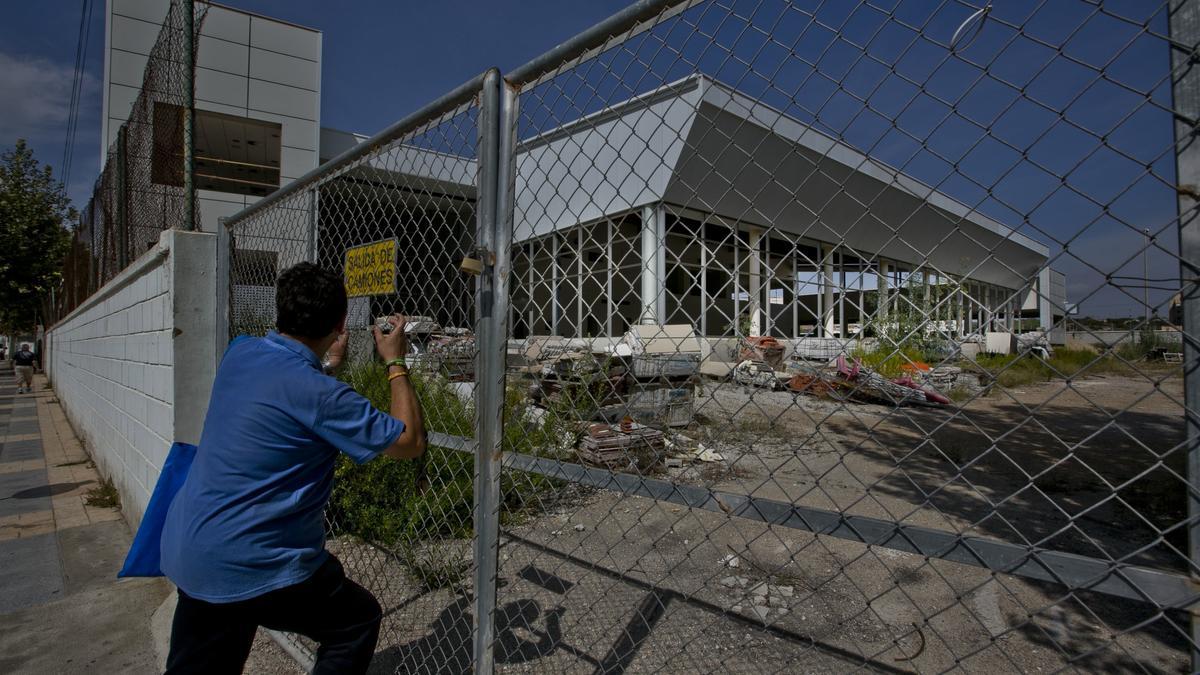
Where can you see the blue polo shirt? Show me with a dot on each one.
(250, 517)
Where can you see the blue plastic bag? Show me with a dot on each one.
(144, 558)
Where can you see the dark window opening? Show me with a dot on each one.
(232, 154)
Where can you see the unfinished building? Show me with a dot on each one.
(693, 204)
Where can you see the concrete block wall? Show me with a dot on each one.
(133, 365)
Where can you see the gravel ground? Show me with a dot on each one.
(605, 583)
(267, 658)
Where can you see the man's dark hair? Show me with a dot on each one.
(309, 301)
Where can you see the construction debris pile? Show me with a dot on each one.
(631, 400)
(627, 447)
(763, 363)
(629, 397)
(445, 350)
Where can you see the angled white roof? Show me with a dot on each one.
(700, 144)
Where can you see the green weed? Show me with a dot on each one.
(104, 496)
(381, 501)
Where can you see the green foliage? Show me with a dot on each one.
(913, 309)
(1017, 370)
(381, 500)
(888, 361)
(1146, 341)
(103, 496)
(34, 210)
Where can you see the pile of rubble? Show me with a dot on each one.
(759, 599)
(763, 366)
(627, 447)
(626, 397)
(449, 351)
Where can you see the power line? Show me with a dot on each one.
(81, 47)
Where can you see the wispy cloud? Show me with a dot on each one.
(35, 97)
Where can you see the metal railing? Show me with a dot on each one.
(765, 367)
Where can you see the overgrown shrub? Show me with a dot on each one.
(381, 500)
(889, 361)
(1012, 370)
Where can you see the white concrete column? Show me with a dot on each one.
(989, 302)
(579, 330)
(611, 307)
(652, 259)
(554, 276)
(827, 308)
(841, 264)
(1045, 309)
(756, 285)
(193, 299)
(532, 318)
(883, 295)
(703, 284)
(862, 294)
(795, 281)
(958, 293)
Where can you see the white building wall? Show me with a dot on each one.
(133, 365)
(246, 65)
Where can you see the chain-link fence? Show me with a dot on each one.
(396, 215)
(141, 188)
(767, 367)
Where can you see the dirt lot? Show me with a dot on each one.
(1093, 467)
(607, 583)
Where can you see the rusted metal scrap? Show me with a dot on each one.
(814, 385)
(764, 349)
(871, 385)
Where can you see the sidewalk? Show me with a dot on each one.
(62, 608)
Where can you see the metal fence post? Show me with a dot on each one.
(495, 231)
(224, 251)
(1185, 35)
(487, 474)
(189, 115)
(313, 224)
(122, 224)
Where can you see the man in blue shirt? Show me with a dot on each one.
(244, 539)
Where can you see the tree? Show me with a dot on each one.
(34, 211)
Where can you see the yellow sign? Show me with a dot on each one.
(371, 269)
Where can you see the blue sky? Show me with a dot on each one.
(381, 60)
(1019, 140)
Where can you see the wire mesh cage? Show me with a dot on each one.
(795, 374)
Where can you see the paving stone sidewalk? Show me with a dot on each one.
(62, 608)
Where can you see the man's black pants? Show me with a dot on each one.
(337, 613)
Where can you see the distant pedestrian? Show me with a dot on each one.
(24, 361)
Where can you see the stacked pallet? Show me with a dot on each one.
(626, 447)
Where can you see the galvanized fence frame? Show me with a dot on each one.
(300, 203)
